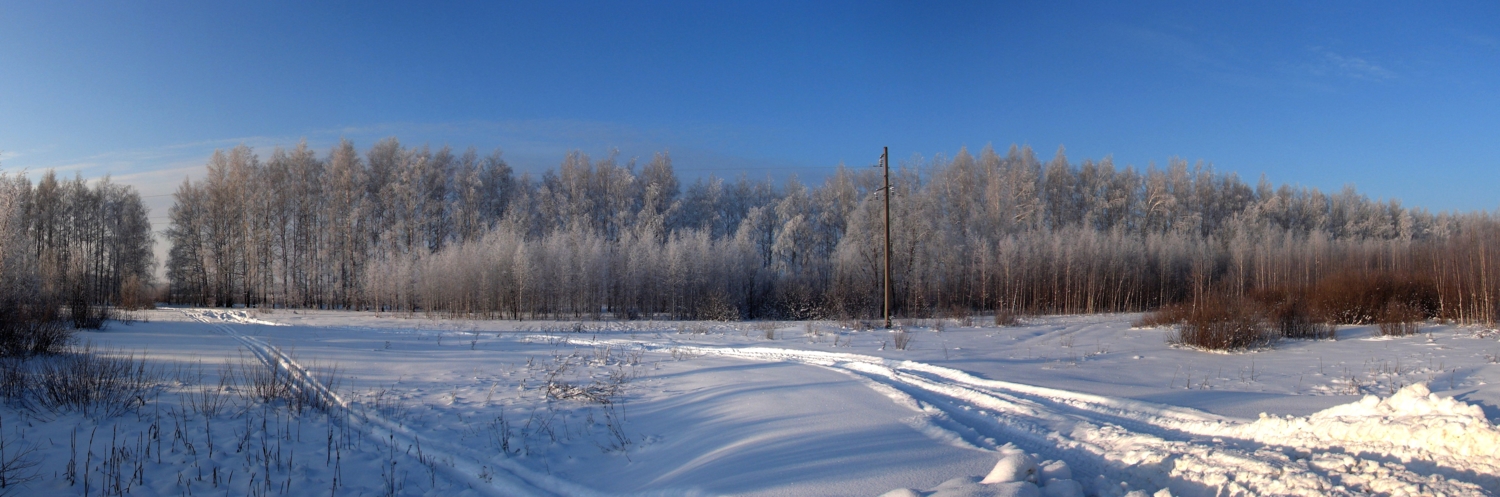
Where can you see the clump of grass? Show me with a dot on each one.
(269, 383)
(901, 339)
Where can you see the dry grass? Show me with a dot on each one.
(901, 339)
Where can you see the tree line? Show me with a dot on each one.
(68, 250)
(404, 228)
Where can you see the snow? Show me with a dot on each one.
(1067, 405)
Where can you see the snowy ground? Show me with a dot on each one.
(458, 407)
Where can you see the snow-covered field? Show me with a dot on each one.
(1069, 405)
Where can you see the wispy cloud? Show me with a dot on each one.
(1329, 63)
(1214, 58)
(1485, 41)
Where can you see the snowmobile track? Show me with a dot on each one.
(1109, 441)
(459, 464)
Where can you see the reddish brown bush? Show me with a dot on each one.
(1362, 298)
(1288, 311)
(1167, 315)
(136, 294)
(1399, 319)
(1221, 323)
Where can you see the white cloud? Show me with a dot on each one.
(1333, 64)
(1489, 42)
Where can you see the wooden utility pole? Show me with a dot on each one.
(885, 160)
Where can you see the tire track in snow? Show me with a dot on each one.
(458, 464)
(1145, 445)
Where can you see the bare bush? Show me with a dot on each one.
(32, 327)
(136, 294)
(273, 381)
(262, 382)
(1223, 324)
(961, 315)
(92, 383)
(1004, 317)
(718, 308)
(86, 316)
(767, 328)
(211, 400)
(1399, 319)
(1361, 298)
(1290, 314)
(1166, 315)
(17, 464)
(14, 379)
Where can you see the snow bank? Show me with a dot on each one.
(1412, 443)
(1412, 427)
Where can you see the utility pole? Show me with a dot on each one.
(885, 160)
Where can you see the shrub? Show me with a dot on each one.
(1004, 317)
(1361, 298)
(1399, 319)
(85, 315)
(136, 295)
(1219, 323)
(91, 383)
(1167, 315)
(961, 315)
(265, 383)
(1289, 313)
(717, 308)
(17, 464)
(31, 328)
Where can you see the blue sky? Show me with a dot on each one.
(1401, 100)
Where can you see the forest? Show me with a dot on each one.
(412, 229)
(69, 251)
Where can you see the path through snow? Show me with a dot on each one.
(1410, 443)
(1115, 445)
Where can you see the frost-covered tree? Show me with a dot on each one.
(411, 229)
